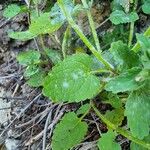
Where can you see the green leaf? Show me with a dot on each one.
(57, 15)
(118, 17)
(33, 14)
(29, 57)
(24, 35)
(107, 142)
(114, 100)
(107, 56)
(83, 109)
(116, 34)
(116, 5)
(134, 146)
(145, 44)
(71, 80)
(144, 41)
(36, 80)
(69, 132)
(115, 116)
(124, 3)
(54, 55)
(144, 75)
(146, 7)
(124, 82)
(43, 25)
(138, 113)
(31, 70)
(123, 56)
(11, 11)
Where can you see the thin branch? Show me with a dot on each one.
(45, 129)
(20, 114)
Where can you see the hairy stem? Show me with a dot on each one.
(64, 43)
(92, 25)
(131, 34)
(40, 36)
(119, 130)
(132, 26)
(83, 37)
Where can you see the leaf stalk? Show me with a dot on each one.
(83, 37)
(119, 130)
(92, 25)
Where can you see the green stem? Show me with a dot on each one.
(42, 42)
(64, 43)
(83, 37)
(100, 71)
(131, 34)
(121, 131)
(137, 45)
(92, 25)
(81, 118)
(132, 26)
(40, 36)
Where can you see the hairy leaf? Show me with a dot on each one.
(146, 7)
(114, 100)
(115, 116)
(56, 13)
(31, 70)
(43, 25)
(58, 17)
(71, 80)
(107, 142)
(144, 41)
(144, 75)
(145, 44)
(54, 55)
(69, 132)
(124, 3)
(11, 11)
(23, 36)
(138, 113)
(36, 80)
(123, 55)
(107, 56)
(116, 34)
(83, 109)
(33, 14)
(118, 17)
(124, 82)
(29, 57)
